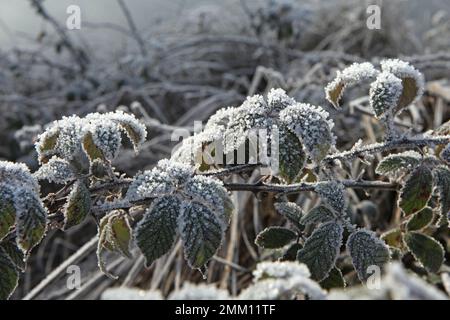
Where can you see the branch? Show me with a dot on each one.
(409, 143)
(133, 28)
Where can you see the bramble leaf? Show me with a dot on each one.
(46, 145)
(291, 156)
(275, 237)
(318, 214)
(92, 151)
(78, 205)
(416, 192)
(9, 276)
(13, 252)
(7, 212)
(393, 238)
(335, 279)
(366, 250)
(333, 194)
(290, 211)
(426, 250)
(420, 220)
(321, 249)
(201, 232)
(156, 232)
(400, 162)
(442, 182)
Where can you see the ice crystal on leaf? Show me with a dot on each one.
(20, 205)
(384, 93)
(333, 194)
(56, 170)
(98, 135)
(350, 76)
(196, 207)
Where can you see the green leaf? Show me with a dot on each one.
(426, 250)
(335, 279)
(393, 238)
(399, 162)
(133, 134)
(120, 236)
(420, 220)
(318, 214)
(201, 233)
(275, 237)
(291, 156)
(442, 182)
(290, 211)
(16, 255)
(417, 190)
(78, 205)
(9, 277)
(92, 151)
(321, 249)
(366, 250)
(46, 145)
(156, 232)
(31, 222)
(7, 213)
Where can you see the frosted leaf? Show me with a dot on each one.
(355, 73)
(366, 250)
(178, 172)
(395, 164)
(280, 270)
(9, 277)
(201, 232)
(412, 81)
(277, 99)
(7, 210)
(416, 191)
(208, 192)
(151, 183)
(321, 249)
(78, 205)
(56, 170)
(445, 154)
(220, 119)
(441, 176)
(17, 174)
(106, 137)
(122, 293)
(156, 232)
(312, 126)
(384, 94)
(318, 214)
(135, 130)
(333, 194)
(290, 211)
(426, 250)
(275, 237)
(199, 292)
(292, 158)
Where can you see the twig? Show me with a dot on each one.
(133, 28)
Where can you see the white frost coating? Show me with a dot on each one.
(199, 292)
(105, 129)
(384, 93)
(445, 154)
(17, 175)
(397, 284)
(207, 191)
(333, 193)
(278, 99)
(56, 170)
(130, 294)
(282, 270)
(283, 289)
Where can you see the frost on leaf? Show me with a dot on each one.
(384, 94)
(200, 205)
(420, 220)
(355, 73)
(9, 276)
(311, 124)
(291, 156)
(199, 292)
(201, 233)
(412, 81)
(115, 236)
(56, 170)
(156, 232)
(275, 237)
(14, 253)
(394, 164)
(97, 135)
(19, 192)
(333, 194)
(78, 205)
(426, 250)
(282, 280)
(416, 192)
(290, 211)
(321, 249)
(335, 279)
(366, 250)
(318, 214)
(445, 154)
(442, 183)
